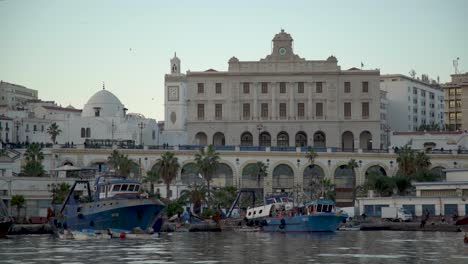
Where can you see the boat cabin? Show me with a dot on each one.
(320, 206)
(119, 188)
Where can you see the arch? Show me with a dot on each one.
(99, 166)
(201, 138)
(282, 139)
(189, 174)
(301, 139)
(312, 176)
(265, 139)
(320, 139)
(67, 162)
(246, 139)
(283, 178)
(376, 170)
(249, 180)
(347, 141)
(365, 140)
(223, 176)
(218, 139)
(344, 177)
(439, 171)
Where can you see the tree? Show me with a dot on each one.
(429, 127)
(311, 155)
(224, 197)
(405, 160)
(383, 185)
(54, 131)
(3, 152)
(152, 177)
(196, 195)
(121, 163)
(18, 201)
(328, 189)
(207, 162)
(258, 169)
(114, 159)
(60, 192)
(412, 73)
(33, 166)
(168, 165)
(422, 161)
(402, 183)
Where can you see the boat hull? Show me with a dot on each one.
(304, 223)
(5, 227)
(115, 214)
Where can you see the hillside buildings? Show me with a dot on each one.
(456, 102)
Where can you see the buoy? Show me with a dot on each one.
(122, 235)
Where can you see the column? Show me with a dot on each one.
(292, 113)
(309, 88)
(255, 114)
(274, 88)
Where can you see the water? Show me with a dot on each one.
(231, 247)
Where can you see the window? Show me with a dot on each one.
(415, 90)
(458, 91)
(116, 188)
(318, 87)
(264, 110)
(88, 132)
(201, 111)
(365, 87)
(458, 103)
(300, 87)
(246, 88)
(153, 134)
(452, 91)
(35, 128)
(201, 88)
(347, 87)
(124, 187)
(218, 88)
(246, 111)
(300, 110)
(423, 93)
(282, 110)
(365, 110)
(282, 87)
(347, 110)
(452, 116)
(218, 111)
(452, 103)
(42, 128)
(83, 132)
(264, 88)
(459, 116)
(319, 110)
(431, 95)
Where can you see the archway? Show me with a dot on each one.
(347, 141)
(218, 139)
(223, 176)
(319, 139)
(301, 139)
(246, 139)
(365, 140)
(201, 138)
(344, 185)
(440, 173)
(249, 180)
(312, 177)
(282, 139)
(265, 139)
(283, 178)
(375, 170)
(189, 175)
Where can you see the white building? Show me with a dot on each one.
(13, 96)
(412, 102)
(455, 141)
(384, 128)
(281, 101)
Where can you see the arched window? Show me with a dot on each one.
(347, 141)
(218, 139)
(246, 139)
(83, 132)
(319, 139)
(283, 139)
(265, 139)
(365, 140)
(301, 139)
(201, 138)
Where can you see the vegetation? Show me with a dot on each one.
(207, 162)
(53, 130)
(382, 185)
(195, 195)
(121, 163)
(224, 197)
(34, 158)
(60, 192)
(311, 155)
(429, 127)
(328, 188)
(259, 169)
(174, 207)
(18, 201)
(152, 177)
(168, 165)
(414, 165)
(3, 152)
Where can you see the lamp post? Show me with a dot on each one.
(141, 125)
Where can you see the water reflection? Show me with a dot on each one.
(340, 247)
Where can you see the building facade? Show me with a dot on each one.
(282, 100)
(413, 102)
(456, 102)
(13, 96)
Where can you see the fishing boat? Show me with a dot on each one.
(317, 216)
(5, 220)
(117, 203)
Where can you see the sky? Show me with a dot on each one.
(67, 49)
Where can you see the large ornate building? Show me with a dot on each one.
(282, 100)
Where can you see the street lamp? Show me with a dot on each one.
(141, 125)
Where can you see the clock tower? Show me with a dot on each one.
(282, 48)
(175, 105)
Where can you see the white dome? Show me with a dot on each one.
(105, 103)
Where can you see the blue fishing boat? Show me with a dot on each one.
(317, 216)
(117, 203)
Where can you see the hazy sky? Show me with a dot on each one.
(66, 49)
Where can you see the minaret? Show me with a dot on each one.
(175, 65)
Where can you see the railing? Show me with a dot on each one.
(252, 148)
(282, 148)
(316, 149)
(191, 147)
(225, 148)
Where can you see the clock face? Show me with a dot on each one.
(282, 51)
(173, 93)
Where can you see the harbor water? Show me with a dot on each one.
(236, 247)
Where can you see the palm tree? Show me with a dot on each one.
(422, 161)
(196, 195)
(152, 177)
(121, 163)
(34, 153)
(168, 165)
(328, 189)
(114, 159)
(260, 170)
(405, 161)
(54, 131)
(60, 192)
(3, 152)
(402, 183)
(310, 156)
(18, 201)
(207, 162)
